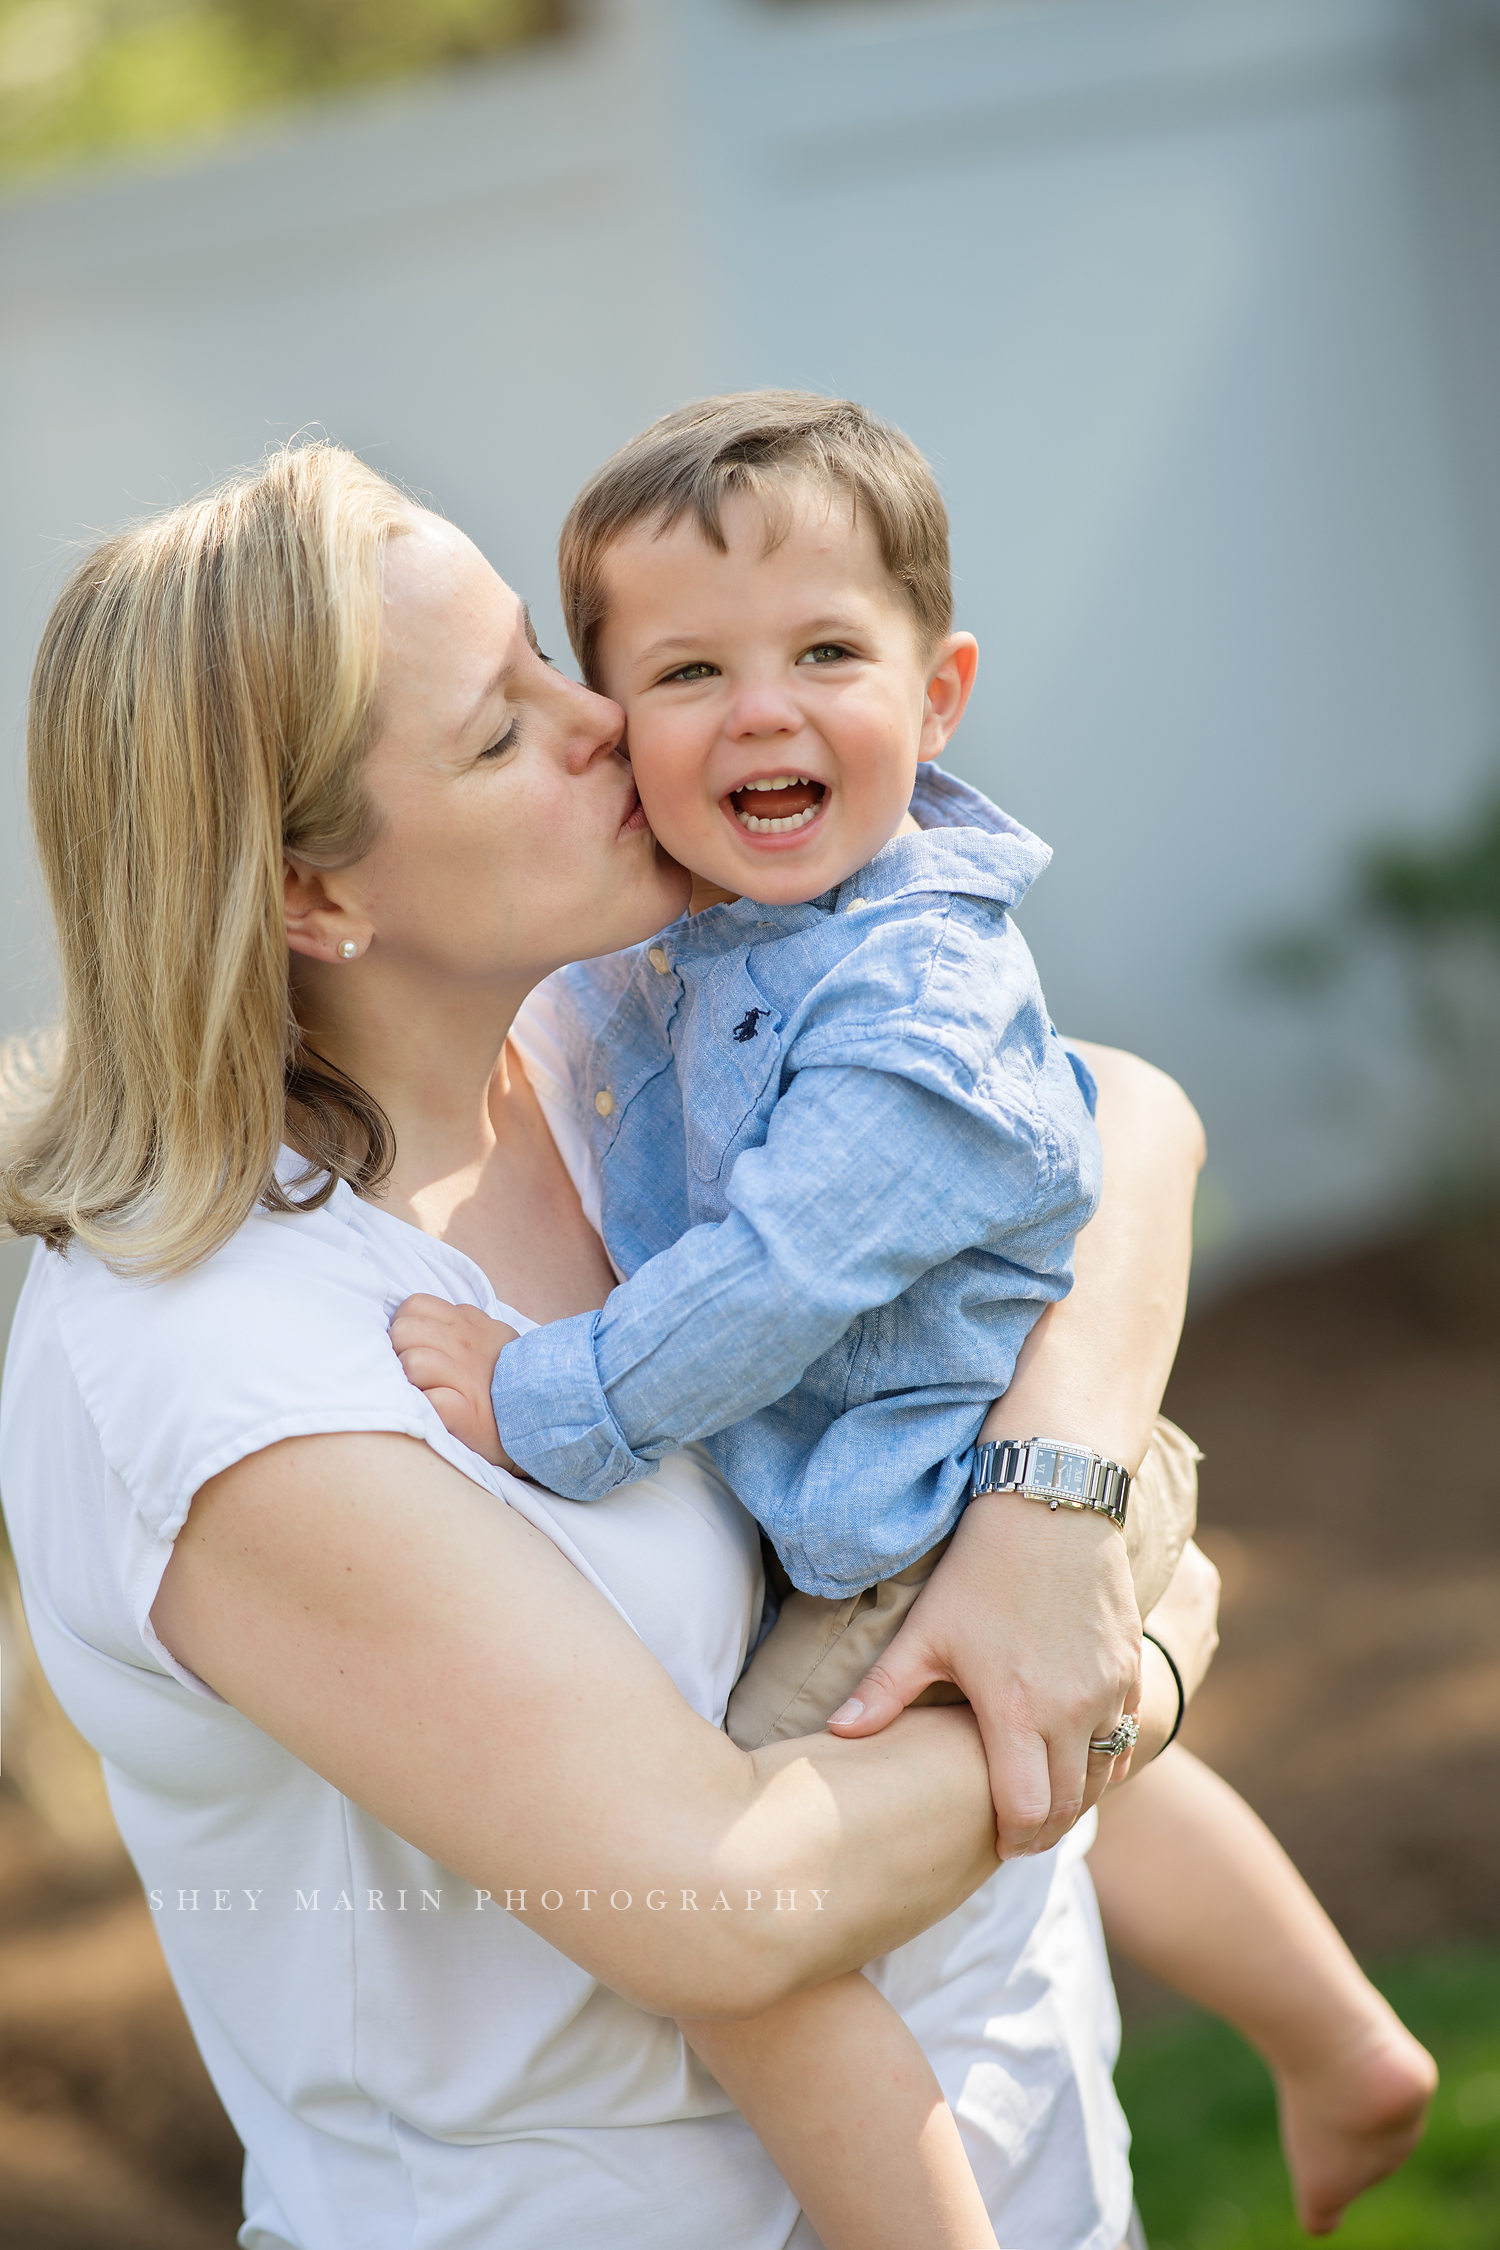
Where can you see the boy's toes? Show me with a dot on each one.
(1345, 2129)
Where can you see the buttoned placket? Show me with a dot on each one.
(660, 994)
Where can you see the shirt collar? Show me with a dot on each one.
(966, 845)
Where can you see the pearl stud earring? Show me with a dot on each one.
(348, 949)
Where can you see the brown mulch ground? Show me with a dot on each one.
(1350, 1416)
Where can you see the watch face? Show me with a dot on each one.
(1053, 1470)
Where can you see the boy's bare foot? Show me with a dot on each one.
(1353, 2121)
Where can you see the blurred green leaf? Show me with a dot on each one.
(1297, 961)
(1441, 887)
(83, 78)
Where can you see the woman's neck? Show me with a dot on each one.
(435, 1061)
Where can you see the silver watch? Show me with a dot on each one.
(1043, 1468)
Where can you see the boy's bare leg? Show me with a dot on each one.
(1194, 1887)
(846, 2104)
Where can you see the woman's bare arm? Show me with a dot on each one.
(1032, 1612)
(434, 1657)
(1095, 1366)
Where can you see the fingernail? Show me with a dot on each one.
(853, 1709)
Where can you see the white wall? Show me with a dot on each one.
(1196, 304)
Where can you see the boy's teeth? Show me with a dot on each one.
(768, 827)
(782, 781)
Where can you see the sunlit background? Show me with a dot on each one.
(1195, 304)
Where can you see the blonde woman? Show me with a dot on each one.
(421, 1767)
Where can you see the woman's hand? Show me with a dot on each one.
(1032, 1615)
(449, 1352)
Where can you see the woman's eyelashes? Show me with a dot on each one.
(497, 749)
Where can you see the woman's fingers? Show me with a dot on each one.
(1032, 1616)
(898, 1678)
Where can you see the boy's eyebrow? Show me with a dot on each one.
(808, 629)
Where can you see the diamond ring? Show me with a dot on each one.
(1115, 1745)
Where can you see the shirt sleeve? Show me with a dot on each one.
(728, 1319)
(283, 1333)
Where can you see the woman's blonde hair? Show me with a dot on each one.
(203, 698)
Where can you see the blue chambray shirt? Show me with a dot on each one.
(844, 1155)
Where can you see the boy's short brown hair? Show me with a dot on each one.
(758, 442)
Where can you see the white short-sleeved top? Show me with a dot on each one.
(409, 2068)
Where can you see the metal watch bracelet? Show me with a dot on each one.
(1065, 1476)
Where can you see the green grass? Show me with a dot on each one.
(1208, 2165)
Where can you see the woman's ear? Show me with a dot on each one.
(317, 924)
(950, 683)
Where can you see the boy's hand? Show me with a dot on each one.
(449, 1351)
(1033, 1615)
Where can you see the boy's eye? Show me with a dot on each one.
(692, 672)
(507, 742)
(825, 652)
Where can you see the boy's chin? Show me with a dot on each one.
(788, 879)
(774, 878)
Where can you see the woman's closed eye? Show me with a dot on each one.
(498, 749)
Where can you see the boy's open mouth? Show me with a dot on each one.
(772, 807)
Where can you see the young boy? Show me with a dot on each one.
(844, 1155)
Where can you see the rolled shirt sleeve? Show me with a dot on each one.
(867, 1180)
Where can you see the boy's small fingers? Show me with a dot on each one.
(457, 1415)
(427, 1368)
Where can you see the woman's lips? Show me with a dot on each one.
(635, 820)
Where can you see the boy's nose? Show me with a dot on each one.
(763, 710)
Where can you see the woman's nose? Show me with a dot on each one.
(595, 726)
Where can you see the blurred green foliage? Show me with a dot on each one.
(1443, 887)
(1207, 2162)
(1424, 916)
(83, 78)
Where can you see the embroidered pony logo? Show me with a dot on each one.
(749, 1025)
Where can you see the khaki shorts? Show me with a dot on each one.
(818, 1651)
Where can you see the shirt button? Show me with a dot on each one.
(851, 903)
(604, 1101)
(658, 960)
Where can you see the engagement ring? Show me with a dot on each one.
(1115, 1745)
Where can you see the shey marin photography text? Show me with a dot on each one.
(321, 1899)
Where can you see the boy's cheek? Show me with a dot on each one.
(675, 812)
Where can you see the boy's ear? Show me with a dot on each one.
(317, 924)
(950, 683)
